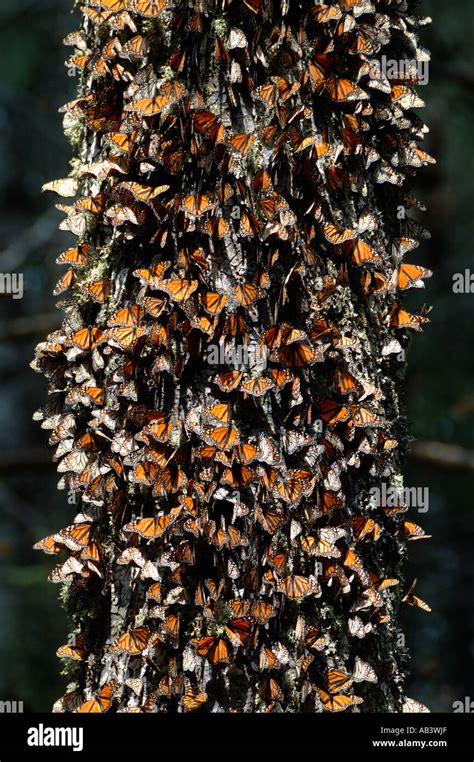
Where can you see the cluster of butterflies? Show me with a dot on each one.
(242, 170)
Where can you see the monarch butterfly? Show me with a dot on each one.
(131, 555)
(238, 630)
(414, 600)
(65, 282)
(193, 699)
(66, 571)
(280, 377)
(383, 584)
(127, 338)
(345, 383)
(171, 479)
(149, 8)
(363, 527)
(285, 334)
(271, 520)
(179, 289)
(94, 393)
(144, 193)
(343, 90)
(402, 245)
(298, 355)
(358, 7)
(256, 387)
(236, 325)
(216, 227)
(204, 121)
(338, 681)
(267, 659)
(271, 691)
(262, 611)
(314, 639)
(247, 453)
(99, 290)
(402, 319)
(152, 529)
(414, 532)
(235, 537)
(318, 68)
(338, 703)
(249, 225)
(358, 628)
(76, 257)
(360, 253)
(154, 592)
(294, 441)
(409, 276)
(150, 106)
(394, 510)
(229, 381)
(242, 142)
(122, 214)
(337, 235)
(247, 294)
(224, 437)
(298, 484)
(220, 412)
(325, 13)
(73, 651)
(322, 546)
(406, 97)
(213, 302)
(333, 412)
(153, 305)
(373, 283)
(112, 5)
(318, 148)
(101, 702)
(363, 672)
(87, 339)
(76, 536)
(410, 705)
(121, 141)
(133, 642)
(94, 205)
(145, 473)
(352, 561)
(135, 49)
(159, 429)
(129, 316)
(214, 649)
(351, 140)
(80, 62)
(273, 204)
(297, 587)
(268, 94)
(48, 545)
(363, 417)
(239, 607)
(171, 625)
(92, 552)
(196, 205)
(66, 187)
(278, 559)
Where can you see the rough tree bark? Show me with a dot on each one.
(225, 389)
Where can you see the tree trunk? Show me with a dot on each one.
(225, 387)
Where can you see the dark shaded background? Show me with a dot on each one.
(33, 84)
